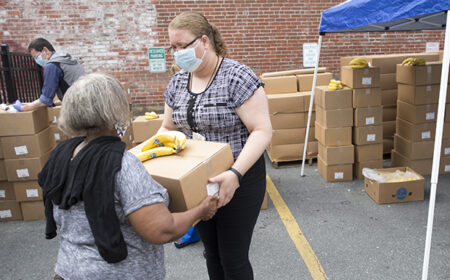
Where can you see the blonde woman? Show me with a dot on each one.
(111, 215)
(218, 99)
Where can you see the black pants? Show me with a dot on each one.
(227, 236)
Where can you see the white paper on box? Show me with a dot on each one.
(212, 189)
(32, 193)
(426, 135)
(370, 120)
(57, 137)
(21, 173)
(428, 73)
(370, 137)
(21, 150)
(5, 214)
(447, 168)
(447, 151)
(2, 193)
(338, 175)
(54, 119)
(430, 116)
(367, 80)
(428, 88)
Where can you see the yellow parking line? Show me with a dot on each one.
(296, 234)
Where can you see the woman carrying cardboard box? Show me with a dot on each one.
(215, 98)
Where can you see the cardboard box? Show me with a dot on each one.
(333, 99)
(58, 135)
(25, 169)
(33, 210)
(337, 155)
(10, 211)
(307, 100)
(360, 78)
(368, 116)
(7, 191)
(388, 62)
(396, 191)
(291, 152)
(1, 152)
(389, 97)
(126, 88)
(27, 146)
(415, 132)
(23, 123)
(373, 164)
(417, 113)
(422, 166)
(413, 150)
(364, 135)
(367, 97)
(445, 148)
(389, 113)
(444, 165)
(335, 173)
(282, 84)
(333, 136)
(446, 130)
(185, 175)
(389, 129)
(144, 129)
(27, 191)
(128, 138)
(419, 75)
(388, 145)
(285, 103)
(420, 95)
(388, 81)
(334, 117)
(368, 152)
(291, 136)
(288, 120)
(3, 176)
(53, 114)
(305, 82)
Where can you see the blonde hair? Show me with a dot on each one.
(198, 25)
(95, 102)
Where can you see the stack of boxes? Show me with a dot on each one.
(53, 115)
(368, 114)
(128, 136)
(333, 130)
(26, 143)
(418, 97)
(289, 98)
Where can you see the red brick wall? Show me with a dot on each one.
(113, 36)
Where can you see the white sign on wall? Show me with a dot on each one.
(432, 47)
(309, 54)
(157, 60)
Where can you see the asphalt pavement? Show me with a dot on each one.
(351, 237)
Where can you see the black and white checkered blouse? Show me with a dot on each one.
(212, 113)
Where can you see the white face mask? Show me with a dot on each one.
(187, 60)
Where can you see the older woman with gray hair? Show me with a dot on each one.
(112, 216)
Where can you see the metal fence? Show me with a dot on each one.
(20, 77)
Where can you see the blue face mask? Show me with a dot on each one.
(187, 60)
(40, 61)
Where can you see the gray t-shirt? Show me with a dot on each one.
(78, 256)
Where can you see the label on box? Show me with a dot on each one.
(426, 135)
(32, 193)
(428, 88)
(54, 119)
(367, 80)
(21, 150)
(5, 214)
(57, 137)
(2, 193)
(447, 151)
(370, 137)
(447, 168)
(429, 116)
(338, 175)
(370, 120)
(21, 173)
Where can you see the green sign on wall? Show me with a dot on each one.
(157, 60)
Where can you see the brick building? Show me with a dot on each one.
(113, 36)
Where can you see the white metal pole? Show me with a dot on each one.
(437, 147)
(311, 102)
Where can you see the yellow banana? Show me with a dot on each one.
(335, 85)
(359, 62)
(175, 137)
(150, 115)
(414, 61)
(155, 152)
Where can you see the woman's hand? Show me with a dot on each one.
(228, 184)
(209, 207)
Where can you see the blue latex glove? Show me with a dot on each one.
(18, 105)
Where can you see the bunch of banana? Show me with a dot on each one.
(150, 115)
(414, 61)
(162, 144)
(335, 85)
(359, 62)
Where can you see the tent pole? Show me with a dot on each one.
(437, 147)
(311, 102)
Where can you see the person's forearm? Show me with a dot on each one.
(181, 223)
(33, 106)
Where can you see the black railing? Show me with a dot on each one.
(20, 77)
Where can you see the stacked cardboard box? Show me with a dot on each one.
(128, 136)
(418, 97)
(333, 131)
(53, 115)
(144, 129)
(368, 128)
(26, 143)
(388, 85)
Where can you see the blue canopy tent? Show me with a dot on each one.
(389, 16)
